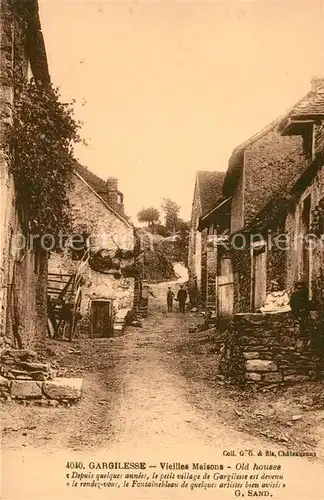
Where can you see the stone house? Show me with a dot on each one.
(23, 270)
(283, 239)
(207, 195)
(101, 229)
(260, 181)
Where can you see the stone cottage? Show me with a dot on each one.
(261, 174)
(207, 195)
(103, 232)
(278, 235)
(23, 271)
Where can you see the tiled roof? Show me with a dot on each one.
(35, 43)
(97, 184)
(311, 105)
(210, 186)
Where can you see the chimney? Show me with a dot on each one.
(317, 85)
(115, 199)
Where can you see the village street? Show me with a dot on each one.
(137, 405)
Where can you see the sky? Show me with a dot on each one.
(166, 88)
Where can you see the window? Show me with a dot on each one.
(78, 245)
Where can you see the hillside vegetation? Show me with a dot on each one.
(160, 254)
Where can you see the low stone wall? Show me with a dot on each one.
(53, 392)
(273, 349)
(24, 378)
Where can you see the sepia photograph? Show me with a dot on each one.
(161, 249)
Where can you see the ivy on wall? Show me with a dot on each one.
(42, 136)
(317, 225)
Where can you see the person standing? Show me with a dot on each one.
(170, 297)
(182, 297)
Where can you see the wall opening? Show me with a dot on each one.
(101, 324)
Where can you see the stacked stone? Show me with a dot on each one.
(270, 349)
(22, 364)
(52, 392)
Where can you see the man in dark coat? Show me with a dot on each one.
(300, 308)
(170, 297)
(182, 297)
(299, 302)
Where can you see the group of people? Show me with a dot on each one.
(181, 298)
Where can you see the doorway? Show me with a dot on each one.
(101, 324)
(225, 285)
(306, 246)
(259, 276)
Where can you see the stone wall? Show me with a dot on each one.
(24, 377)
(271, 164)
(211, 272)
(204, 283)
(273, 349)
(237, 203)
(107, 232)
(241, 260)
(194, 250)
(22, 284)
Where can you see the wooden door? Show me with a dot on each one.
(101, 319)
(258, 277)
(225, 286)
(306, 247)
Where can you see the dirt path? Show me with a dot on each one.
(135, 407)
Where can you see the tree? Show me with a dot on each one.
(171, 210)
(149, 215)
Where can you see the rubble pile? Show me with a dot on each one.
(22, 364)
(26, 377)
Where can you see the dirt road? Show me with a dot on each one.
(135, 407)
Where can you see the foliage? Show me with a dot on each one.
(317, 225)
(161, 230)
(149, 215)
(103, 263)
(171, 210)
(177, 250)
(42, 137)
(157, 266)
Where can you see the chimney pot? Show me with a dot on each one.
(115, 199)
(112, 184)
(317, 85)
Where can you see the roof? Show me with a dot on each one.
(205, 219)
(210, 188)
(276, 209)
(35, 42)
(311, 105)
(97, 186)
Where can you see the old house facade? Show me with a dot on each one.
(260, 181)
(201, 261)
(102, 243)
(275, 181)
(23, 270)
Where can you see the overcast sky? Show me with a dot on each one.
(167, 88)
